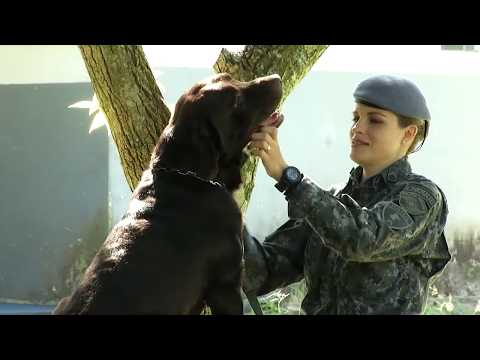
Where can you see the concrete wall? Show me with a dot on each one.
(41, 64)
(53, 174)
(54, 178)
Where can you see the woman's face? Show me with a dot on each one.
(375, 137)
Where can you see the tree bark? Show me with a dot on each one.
(291, 62)
(131, 100)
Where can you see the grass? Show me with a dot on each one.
(287, 301)
(281, 302)
(439, 304)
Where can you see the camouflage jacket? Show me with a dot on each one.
(366, 248)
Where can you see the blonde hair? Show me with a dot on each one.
(404, 121)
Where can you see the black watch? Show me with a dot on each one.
(290, 178)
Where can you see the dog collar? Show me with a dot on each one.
(193, 175)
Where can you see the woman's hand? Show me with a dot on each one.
(264, 144)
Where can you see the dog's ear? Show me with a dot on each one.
(209, 131)
(220, 103)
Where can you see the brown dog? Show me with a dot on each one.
(179, 246)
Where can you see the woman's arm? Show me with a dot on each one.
(401, 226)
(277, 262)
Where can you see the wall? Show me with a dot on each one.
(53, 174)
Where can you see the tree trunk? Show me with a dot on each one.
(291, 62)
(131, 100)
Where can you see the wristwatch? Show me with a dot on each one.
(290, 178)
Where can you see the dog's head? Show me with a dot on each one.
(222, 113)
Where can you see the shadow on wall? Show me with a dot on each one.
(55, 182)
(78, 256)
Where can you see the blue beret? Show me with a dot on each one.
(398, 95)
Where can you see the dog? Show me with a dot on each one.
(179, 246)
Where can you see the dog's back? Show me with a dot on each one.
(167, 254)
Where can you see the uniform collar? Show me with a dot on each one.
(391, 174)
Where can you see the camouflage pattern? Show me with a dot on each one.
(365, 248)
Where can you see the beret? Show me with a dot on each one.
(398, 95)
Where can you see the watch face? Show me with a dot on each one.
(292, 174)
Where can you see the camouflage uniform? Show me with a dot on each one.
(370, 248)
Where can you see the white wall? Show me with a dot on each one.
(39, 64)
(407, 59)
(63, 63)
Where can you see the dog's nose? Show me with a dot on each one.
(274, 82)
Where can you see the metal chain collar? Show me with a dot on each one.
(194, 175)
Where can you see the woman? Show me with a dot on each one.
(373, 246)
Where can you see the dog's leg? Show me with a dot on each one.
(225, 300)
